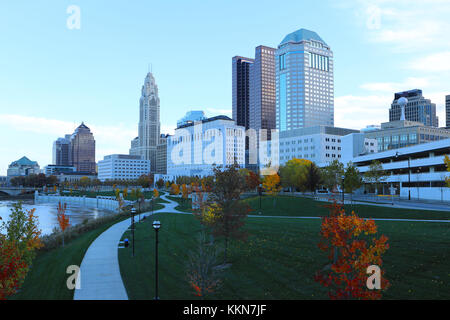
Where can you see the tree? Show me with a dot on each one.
(331, 174)
(63, 220)
(17, 248)
(375, 174)
(252, 180)
(351, 247)
(125, 192)
(294, 174)
(271, 184)
(167, 184)
(202, 272)
(352, 179)
(145, 180)
(174, 189)
(224, 200)
(155, 193)
(160, 183)
(313, 177)
(85, 182)
(184, 192)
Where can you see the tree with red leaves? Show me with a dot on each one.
(352, 247)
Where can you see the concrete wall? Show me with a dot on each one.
(108, 203)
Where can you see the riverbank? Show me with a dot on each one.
(25, 196)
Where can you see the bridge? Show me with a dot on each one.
(15, 191)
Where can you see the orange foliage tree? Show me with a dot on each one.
(252, 180)
(13, 268)
(63, 220)
(174, 189)
(271, 185)
(352, 247)
(184, 192)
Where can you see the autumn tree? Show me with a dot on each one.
(63, 219)
(145, 180)
(13, 267)
(351, 246)
(184, 192)
(125, 192)
(174, 189)
(160, 183)
(271, 184)
(252, 180)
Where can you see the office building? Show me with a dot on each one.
(404, 133)
(447, 111)
(82, 150)
(146, 143)
(417, 109)
(193, 149)
(241, 90)
(304, 82)
(122, 167)
(23, 167)
(161, 154)
(61, 147)
(54, 170)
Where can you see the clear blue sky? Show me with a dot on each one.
(52, 78)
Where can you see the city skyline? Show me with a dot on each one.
(56, 81)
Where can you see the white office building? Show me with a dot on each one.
(319, 144)
(122, 167)
(416, 172)
(195, 147)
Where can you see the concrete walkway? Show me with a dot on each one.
(99, 271)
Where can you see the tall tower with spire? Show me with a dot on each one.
(149, 125)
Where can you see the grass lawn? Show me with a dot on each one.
(47, 277)
(279, 260)
(299, 206)
(185, 205)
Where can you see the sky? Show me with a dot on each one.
(57, 71)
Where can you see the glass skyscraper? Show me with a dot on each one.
(304, 82)
(241, 90)
(82, 150)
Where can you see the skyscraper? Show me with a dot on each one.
(304, 81)
(417, 109)
(447, 111)
(146, 143)
(61, 155)
(82, 150)
(241, 90)
(262, 90)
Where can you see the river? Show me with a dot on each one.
(47, 213)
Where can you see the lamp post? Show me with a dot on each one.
(133, 212)
(343, 193)
(260, 194)
(156, 226)
(409, 175)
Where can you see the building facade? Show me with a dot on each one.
(82, 150)
(404, 133)
(193, 149)
(161, 154)
(191, 117)
(447, 111)
(54, 170)
(122, 167)
(319, 144)
(418, 109)
(23, 167)
(262, 90)
(241, 90)
(304, 82)
(61, 154)
(149, 126)
(416, 172)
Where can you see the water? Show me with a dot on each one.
(47, 213)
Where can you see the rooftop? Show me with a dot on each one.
(302, 34)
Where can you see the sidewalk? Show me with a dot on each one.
(99, 271)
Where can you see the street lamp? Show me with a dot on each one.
(343, 180)
(409, 175)
(260, 194)
(156, 226)
(133, 212)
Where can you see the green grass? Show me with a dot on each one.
(47, 277)
(300, 206)
(280, 257)
(184, 205)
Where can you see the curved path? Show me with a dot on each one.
(100, 272)
(100, 277)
